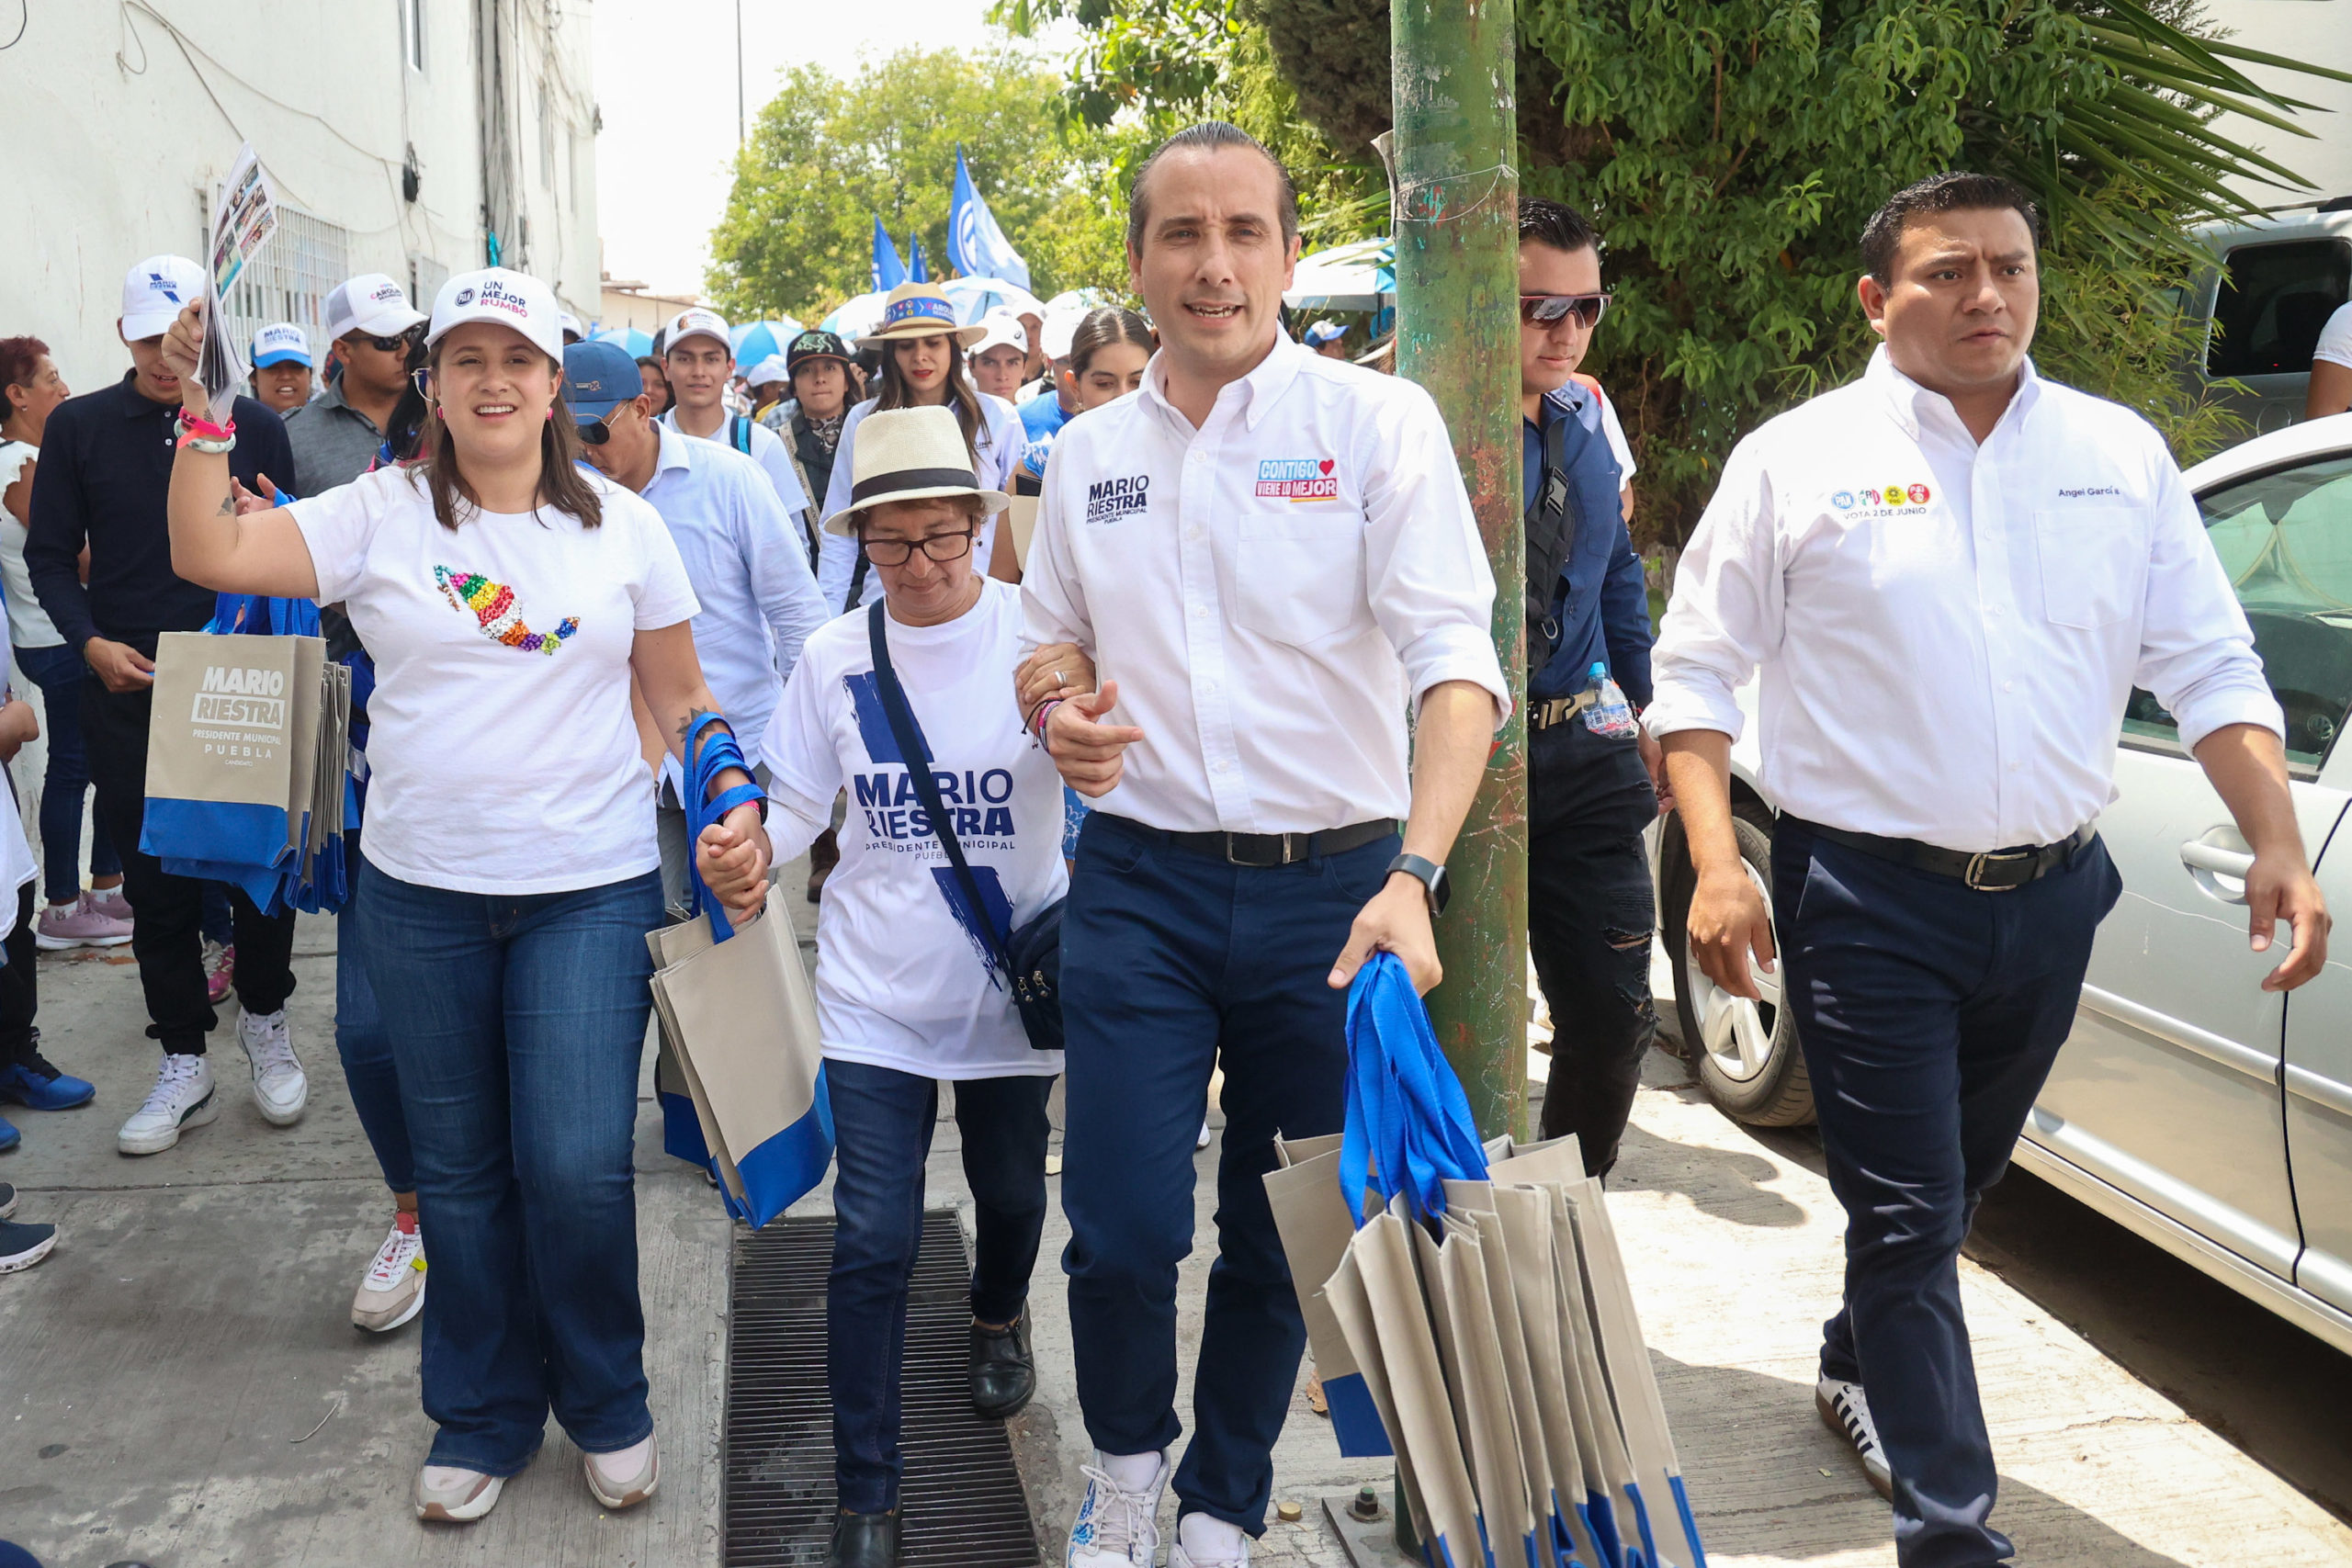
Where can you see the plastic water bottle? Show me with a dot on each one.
(1610, 713)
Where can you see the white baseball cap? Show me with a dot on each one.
(154, 293)
(695, 323)
(566, 321)
(1004, 331)
(370, 303)
(497, 294)
(281, 343)
(1059, 328)
(769, 371)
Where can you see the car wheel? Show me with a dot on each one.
(1745, 1053)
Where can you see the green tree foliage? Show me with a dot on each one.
(1148, 68)
(827, 155)
(1730, 152)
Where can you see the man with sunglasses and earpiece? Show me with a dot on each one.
(1591, 774)
(336, 436)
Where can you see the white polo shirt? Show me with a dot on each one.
(1948, 632)
(1272, 592)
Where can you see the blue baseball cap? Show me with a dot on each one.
(1322, 333)
(597, 378)
(279, 343)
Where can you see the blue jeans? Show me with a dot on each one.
(1174, 962)
(1929, 1014)
(59, 672)
(882, 1126)
(517, 1024)
(366, 1046)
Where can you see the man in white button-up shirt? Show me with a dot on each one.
(1951, 573)
(1271, 558)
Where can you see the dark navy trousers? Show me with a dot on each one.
(1174, 962)
(1929, 1014)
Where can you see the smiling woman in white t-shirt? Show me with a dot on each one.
(907, 995)
(507, 593)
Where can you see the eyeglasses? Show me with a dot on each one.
(938, 547)
(1546, 310)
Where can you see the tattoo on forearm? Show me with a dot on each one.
(228, 506)
(688, 723)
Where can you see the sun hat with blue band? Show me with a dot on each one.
(920, 310)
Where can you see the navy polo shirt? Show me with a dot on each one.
(1602, 605)
(104, 480)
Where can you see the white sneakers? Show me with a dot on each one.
(280, 1086)
(1116, 1526)
(1846, 1412)
(449, 1494)
(625, 1477)
(182, 1097)
(393, 1289)
(1204, 1540)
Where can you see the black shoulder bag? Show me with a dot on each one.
(1031, 956)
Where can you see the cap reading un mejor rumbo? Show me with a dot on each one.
(497, 294)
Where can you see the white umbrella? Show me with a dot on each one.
(1078, 301)
(857, 317)
(975, 297)
(1356, 277)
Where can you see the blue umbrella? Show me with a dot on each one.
(637, 344)
(754, 341)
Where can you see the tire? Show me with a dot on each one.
(1751, 1070)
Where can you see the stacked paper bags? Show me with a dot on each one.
(1482, 1310)
(742, 1073)
(247, 748)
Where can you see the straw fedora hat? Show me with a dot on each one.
(921, 309)
(910, 455)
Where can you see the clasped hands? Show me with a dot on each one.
(1086, 752)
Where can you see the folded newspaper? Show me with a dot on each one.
(245, 215)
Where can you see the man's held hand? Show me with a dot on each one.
(119, 666)
(1398, 921)
(1088, 752)
(732, 856)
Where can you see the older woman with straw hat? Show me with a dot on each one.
(924, 365)
(908, 995)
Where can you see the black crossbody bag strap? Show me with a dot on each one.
(918, 761)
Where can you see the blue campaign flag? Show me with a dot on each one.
(975, 243)
(921, 271)
(889, 270)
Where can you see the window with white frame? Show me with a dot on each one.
(290, 279)
(425, 276)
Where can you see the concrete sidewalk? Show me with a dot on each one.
(162, 1374)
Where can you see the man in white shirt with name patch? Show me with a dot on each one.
(1270, 555)
(1950, 574)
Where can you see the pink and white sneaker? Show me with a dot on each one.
(113, 901)
(81, 923)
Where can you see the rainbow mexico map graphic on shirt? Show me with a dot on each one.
(496, 612)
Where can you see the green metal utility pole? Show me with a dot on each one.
(1456, 227)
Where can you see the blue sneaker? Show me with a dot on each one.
(34, 1082)
(9, 1139)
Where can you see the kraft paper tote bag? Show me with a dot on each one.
(1315, 1225)
(738, 1007)
(224, 739)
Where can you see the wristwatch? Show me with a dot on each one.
(1430, 875)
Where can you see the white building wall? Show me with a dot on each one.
(118, 117)
(2321, 32)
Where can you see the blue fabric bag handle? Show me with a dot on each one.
(1408, 1124)
(710, 749)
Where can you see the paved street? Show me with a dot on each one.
(166, 1367)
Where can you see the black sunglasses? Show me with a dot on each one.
(599, 433)
(1544, 309)
(384, 344)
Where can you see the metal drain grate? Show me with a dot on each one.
(961, 1497)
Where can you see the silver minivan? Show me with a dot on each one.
(2275, 282)
(2190, 1105)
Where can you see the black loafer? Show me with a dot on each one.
(1004, 1375)
(864, 1540)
